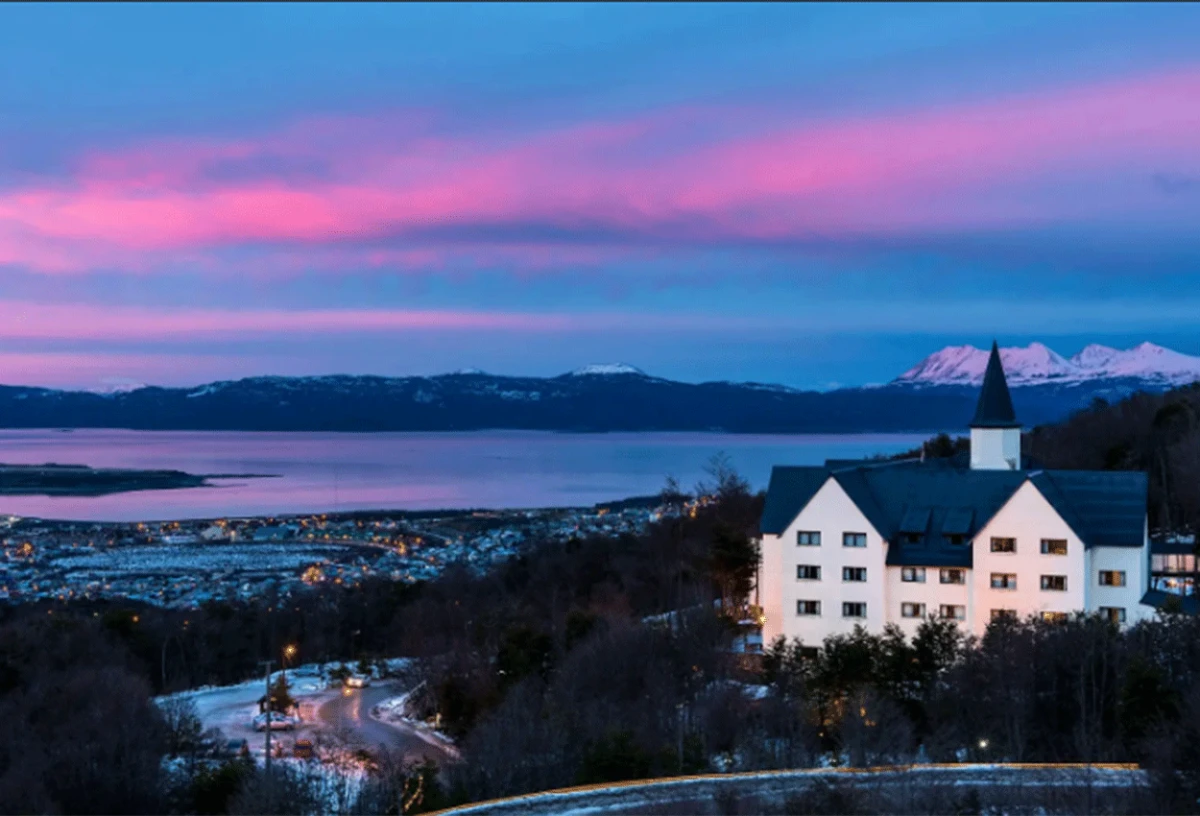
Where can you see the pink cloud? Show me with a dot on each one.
(676, 175)
(49, 321)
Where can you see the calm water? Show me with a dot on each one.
(322, 472)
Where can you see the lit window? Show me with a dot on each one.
(1116, 614)
(999, 614)
(1054, 617)
(1054, 546)
(808, 572)
(1004, 545)
(854, 610)
(1113, 578)
(912, 610)
(854, 539)
(808, 607)
(953, 576)
(854, 573)
(808, 538)
(953, 612)
(1004, 580)
(1055, 583)
(913, 575)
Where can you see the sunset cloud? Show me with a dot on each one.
(603, 187)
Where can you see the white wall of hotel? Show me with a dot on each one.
(832, 513)
(1027, 517)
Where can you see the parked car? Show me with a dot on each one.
(278, 722)
(303, 749)
(358, 681)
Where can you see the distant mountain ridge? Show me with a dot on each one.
(938, 394)
(1036, 364)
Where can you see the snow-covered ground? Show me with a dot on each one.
(698, 793)
(232, 709)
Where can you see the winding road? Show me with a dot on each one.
(350, 713)
(344, 712)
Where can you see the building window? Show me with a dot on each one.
(854, 573)
(912, 610)
(808, 572)
(956, 539)
(1054, 546)
(953, 612)
(1054, 617)
(854, 610)
(953, 576)
(1112, 578)
(913, 575)
(809, 652)
(999, 614)
(1004, 580)
(1004, 545)
(808, 538)
(1056, 583)
(1116, 614)
(914, 538)
(854, 539)
(808, 607)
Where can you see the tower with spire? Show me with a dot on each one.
(995, 432)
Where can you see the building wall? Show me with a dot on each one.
(995, 448)
(932, 593)
(1133, 562)
(1028, 517)
(832, 513)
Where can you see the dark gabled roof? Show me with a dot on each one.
(791, 488)
(891, 496)
(1104, 508)
(942, 503)
(916, 520)
(957, 521)
(1188, 604)
(995, 408)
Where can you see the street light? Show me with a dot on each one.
(289, 651)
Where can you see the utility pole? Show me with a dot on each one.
(266, 664)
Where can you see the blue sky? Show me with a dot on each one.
(804, 194)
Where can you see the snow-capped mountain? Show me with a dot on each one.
(1036, 364)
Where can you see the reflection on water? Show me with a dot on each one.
(321, 472)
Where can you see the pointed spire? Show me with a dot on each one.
(995, 408)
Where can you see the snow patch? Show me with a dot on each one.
(607, 370)
(117, 385)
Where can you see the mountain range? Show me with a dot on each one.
(1038, 365)
(937, 394)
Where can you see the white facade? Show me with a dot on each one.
(995, 448)
(831, 514)
(1018, 575)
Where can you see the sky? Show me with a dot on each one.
(812, 195)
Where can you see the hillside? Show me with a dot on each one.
(937, 394)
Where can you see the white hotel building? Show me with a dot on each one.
(873, 543)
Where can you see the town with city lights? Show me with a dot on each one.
(185, 564)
